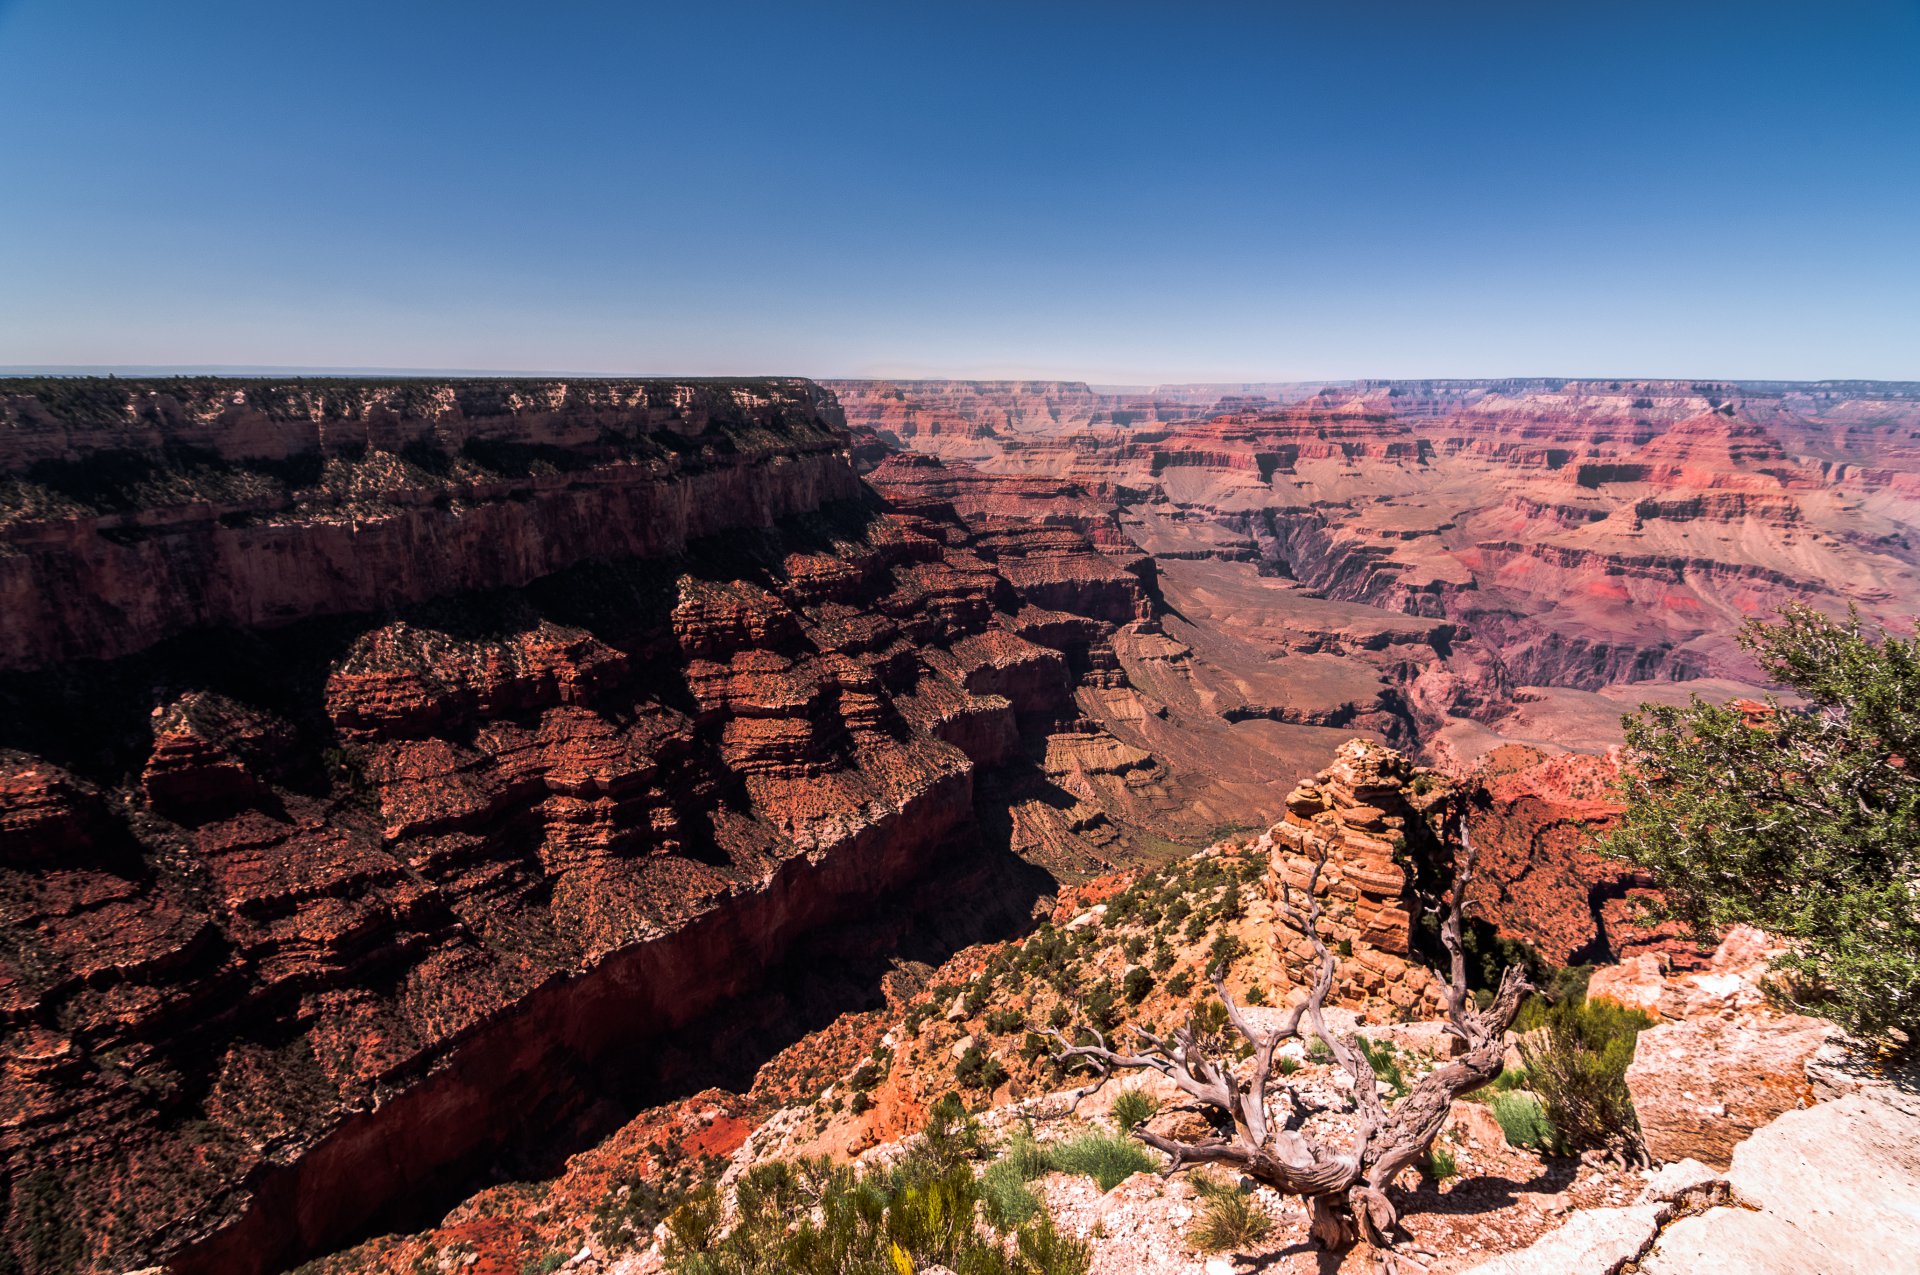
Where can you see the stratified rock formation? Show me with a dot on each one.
(1572, 547)
(385, 767)
(1365, 821)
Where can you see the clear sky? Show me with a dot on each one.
(1118, 192)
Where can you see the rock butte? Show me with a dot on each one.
(386, 767)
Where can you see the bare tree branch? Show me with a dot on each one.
(1345, 1188)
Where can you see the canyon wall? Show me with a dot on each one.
(1584, 536)
(384, 767)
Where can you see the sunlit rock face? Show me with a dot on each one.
(1577, 537)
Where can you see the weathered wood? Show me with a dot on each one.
(1345, 1188)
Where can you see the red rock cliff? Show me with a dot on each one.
(378, 762)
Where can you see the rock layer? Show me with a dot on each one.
(310, 910)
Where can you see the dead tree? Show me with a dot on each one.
(1344, 1186)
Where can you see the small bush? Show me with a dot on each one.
(1229, 1219)
(1524, 1121)
(1385, 1060)
(1109, 1159)
(1577, 1063)
(1133, 1108)
(1180, 984)
(1256, 994)
(1136, 985)
(1317, 1052)
(1004, 1022)
(1439, 1164)
(1102, 1008)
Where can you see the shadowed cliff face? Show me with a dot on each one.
(131, 511)
(307, 911)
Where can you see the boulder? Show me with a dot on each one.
(1475, 1123)
(1593, 1242)
(1700, 1088)
(1636, 983)
(1828, 1190)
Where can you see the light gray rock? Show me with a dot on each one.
(1686, 1180)
(1593, 1242)
(1832, 1190)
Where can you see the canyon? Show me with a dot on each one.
(404, 784)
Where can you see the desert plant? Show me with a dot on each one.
(1133, 1108)
(1803, 820)
(1109, 1159)
(1577, 1063)
(811, 1217)
(1440, 1164)
(1524, 1121)
(1229, 1219)
(1136, 985)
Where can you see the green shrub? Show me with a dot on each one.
(1806, 825)
(1004, 1022)
(1229, 1219)
(813, 1218)
(1384, 1058)
(1132, 1108)
(978, 1069)
(1317, 1052)
(1577, 1063)
(1180, 984)
(1256, 994)
(1136, 985)
(1109, 1159)
(1524, 1121)
(1439, 1163)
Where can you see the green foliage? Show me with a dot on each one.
(1101, 1007)
(978, 1069)
(1004, 1022)
(1806, 824)
(1136, 985)
(1385, 1061)
(1524, 1121)
(1439, 1163)
(1132, 1108)
(1109, 1159)
(1256, 994)
(1229, 1219)
(811, 1217)
(1577, 1060)
(543, 1265)
(1180, 984)
(1317, 1052)
(1209, 1018)
(1225, 950)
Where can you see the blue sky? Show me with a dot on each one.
(1118, 192)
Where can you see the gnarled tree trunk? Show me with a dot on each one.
(1345, 1187)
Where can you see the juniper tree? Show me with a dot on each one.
(1802, 819)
